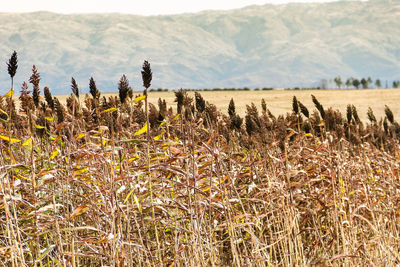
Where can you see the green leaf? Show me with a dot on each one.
(47, 251)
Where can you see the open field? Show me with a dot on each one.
(279, 101)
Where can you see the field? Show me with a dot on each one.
(279, 101)
(128, 180)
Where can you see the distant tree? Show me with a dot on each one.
(386, 85)
(338, 81)
(356, 83)
(378, 83)
(349, 82)
(369, 81)
(396, 84)
(364, 83)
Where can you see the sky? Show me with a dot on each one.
(138, 7)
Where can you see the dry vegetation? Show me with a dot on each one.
(89, 184)
(279, 101)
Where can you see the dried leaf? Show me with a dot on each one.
(10, 93)
(39, 126)
(139, 98)
(143, 130)
(109, 110)
(81, 135)
(79, 211)
(8, 139)
(54, 154)
(158, 137)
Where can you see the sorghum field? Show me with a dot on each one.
(118, 181)
(279, 101)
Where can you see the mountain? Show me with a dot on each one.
(287, 45)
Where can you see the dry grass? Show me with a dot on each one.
(89, 185)
(279, 101)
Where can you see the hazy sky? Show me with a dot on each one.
(140, 7)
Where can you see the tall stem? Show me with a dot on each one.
(149, 173)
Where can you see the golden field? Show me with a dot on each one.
(280, 101)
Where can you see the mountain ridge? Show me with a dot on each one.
(287, 45)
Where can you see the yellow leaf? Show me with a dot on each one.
(8, 139)
(309, 135)
(49, 118)
(81, 135)
(143, 130)
(23, 177)
(158, 137)
(129, 194)
(137, 203)
(54, 154)
(2, 111)
(133, 159)
(176, 116)
(10, 93)
(39, 126)
(28, 142)
(80, 171)
(159, 158)
(109, 110)
(139, 98)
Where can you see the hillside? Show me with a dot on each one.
(257, 46)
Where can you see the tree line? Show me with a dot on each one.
(363, 83)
